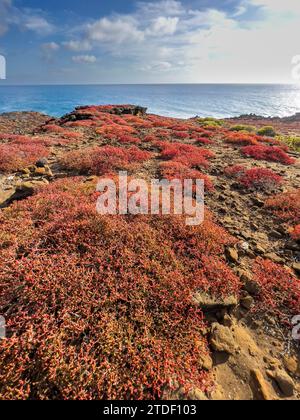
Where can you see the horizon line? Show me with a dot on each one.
(151, 84)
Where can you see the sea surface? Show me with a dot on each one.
(184, 100)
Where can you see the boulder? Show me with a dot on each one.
(284, 382)
(296, 267)
(232, 255)
(222, 339)
(259, 386)
(6, 196)
(41, 163)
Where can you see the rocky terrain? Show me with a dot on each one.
(102, 312)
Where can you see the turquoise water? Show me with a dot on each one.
(171, 100)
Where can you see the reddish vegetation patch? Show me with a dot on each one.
(115, 131)
(296, 233)
(203, 140)
(241, 139)
(279, 289)
(269, 153)
(260, 178)
(100, 160)
(53, 128)
(286, 206)
(217, 279)
(56, 129)
(127, 139)
(235, 171)
(102, 312)
(175, 170)
(257, 178)
(188, 155)
(14, 157)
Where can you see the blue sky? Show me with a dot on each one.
(156, 41)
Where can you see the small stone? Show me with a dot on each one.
(206, 361)
(5, 196)
(222, 339)
(91, 178)
(275, 258)
(259, 249)
(257, 202)
(244, 246)
(41, 163)
(292, 246)
(275, 234)
(197, 395)
(247, 302)
(25, 171)
(284, 381)
(296, 267)
(227, 321)
(232, 255)
(48, 170)
(259, 386)
(291, 364)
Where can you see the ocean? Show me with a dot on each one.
(183, 101)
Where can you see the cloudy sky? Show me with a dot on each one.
(156, 41)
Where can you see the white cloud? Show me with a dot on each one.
(83, 45)
(278, 6)
(163, 26)
(84, 59)
(23, 18)
(38, 24)
(174, 42)
(116, 30)
(161, 8)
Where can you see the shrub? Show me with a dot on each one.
(150, 138)
(175, 170)
(101, 160)
(292, 142)
(235, 171)
(186, 154)
(104, 306)
(180, 127)
(260, 178)
(181, 135)
(53, 128)
(286, 206)
(268, 153)
(71, 135)
(267, 131)
(82, 123)
(115, 130)
(211, 278)
(241, 139)
(279, 290)
(210, 122)
(127, 139)
(243, 127)
(14, 157)
(13, 137)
